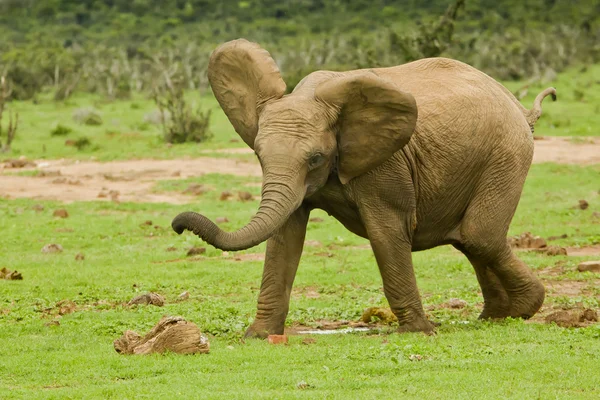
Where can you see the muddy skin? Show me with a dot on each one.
(411, 157)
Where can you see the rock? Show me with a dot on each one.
(583, 205)
(173, 334)
(196, 251)
(589, 266)
(456, 303)
(52, 248)
(277, 339)
(195, 189)
(244, 196)
(221, 220)
(183, 296)
(148, 298)
(225, 195)
(61, 213)
(9, 275)
(563, 236)
(79, 257)
(385, 315)
(309, 340)
(313, 243)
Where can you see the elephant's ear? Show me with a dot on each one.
(244, 77)
(374, 120)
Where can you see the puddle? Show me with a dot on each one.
(334, 331)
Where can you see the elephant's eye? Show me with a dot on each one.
(315, 160)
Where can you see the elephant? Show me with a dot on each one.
(429, 153)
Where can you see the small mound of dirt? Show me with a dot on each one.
(21, 162)
(148, 298)
(589, 266)
(384, 315)
(194, 251)
(52, 248)
(9, 275)
(61, 213)
(572, 318)
(79, 257)
(173, 334)
(529, 242)
(245, 196)
(455, 304)
(195, 189)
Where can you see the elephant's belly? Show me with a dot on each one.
(334, 203)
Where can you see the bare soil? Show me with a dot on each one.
(133, 180)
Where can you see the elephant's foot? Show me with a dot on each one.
(421, 324)
(261, 330)
(495, 310)
(526, 302)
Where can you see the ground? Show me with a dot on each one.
(88, 235)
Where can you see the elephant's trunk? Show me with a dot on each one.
(279, 201)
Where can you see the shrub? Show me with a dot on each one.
(87, 116)
(82, 143)
(60, 130)
(186, 123)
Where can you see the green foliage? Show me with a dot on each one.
(181, 122)
(60, 130)
(82, 143)
(115, 48)
(87, 116)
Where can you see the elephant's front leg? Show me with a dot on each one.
(284, 249)
(390, 236)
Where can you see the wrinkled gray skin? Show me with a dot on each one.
(429, 153)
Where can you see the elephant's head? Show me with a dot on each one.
(333, 122)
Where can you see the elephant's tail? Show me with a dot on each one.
(536, 111)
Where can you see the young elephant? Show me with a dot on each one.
(412, 157)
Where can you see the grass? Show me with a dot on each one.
(125, 132)
(124, 257)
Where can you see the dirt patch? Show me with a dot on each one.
(132, 180)
(570, 288)
(563, 150)
(586, 251)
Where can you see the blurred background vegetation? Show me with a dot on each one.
(117, 47)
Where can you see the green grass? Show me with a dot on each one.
(125, 134)
(577, 109)
(124, 257)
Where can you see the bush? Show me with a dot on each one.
(181, 122)
(87, 116)
(60, 130)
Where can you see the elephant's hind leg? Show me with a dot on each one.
(483, 239)
(496, 300)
